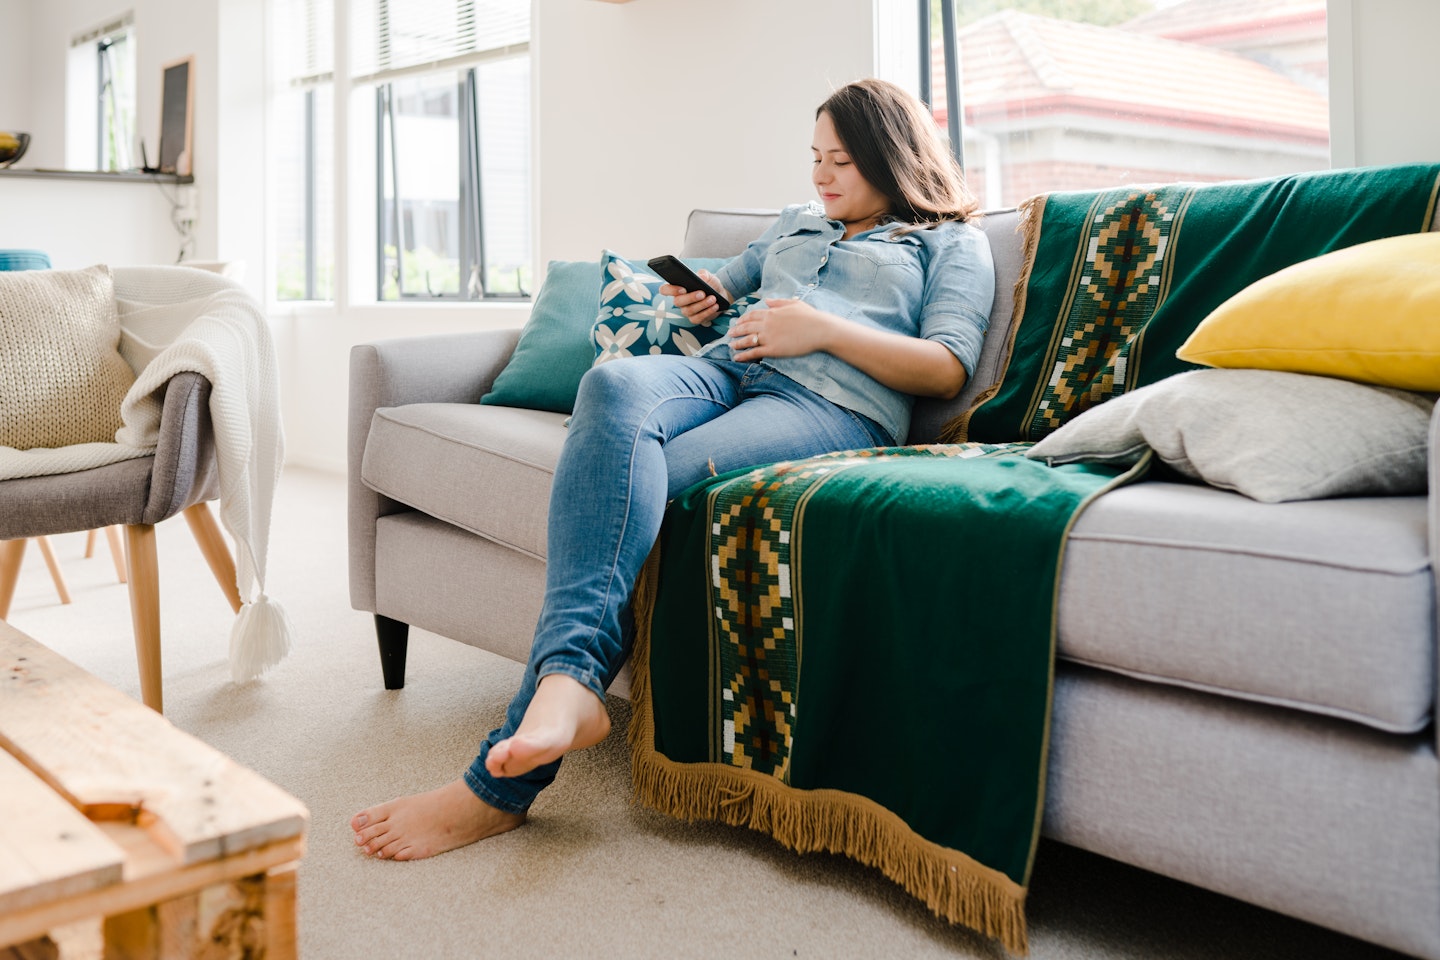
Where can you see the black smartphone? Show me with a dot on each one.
(671, 270)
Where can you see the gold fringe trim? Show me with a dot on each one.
(954, 886)
(1032, 211)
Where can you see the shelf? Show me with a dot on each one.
(97, 175)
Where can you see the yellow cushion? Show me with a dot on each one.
(1369, 313)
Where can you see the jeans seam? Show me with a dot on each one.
(625, 520)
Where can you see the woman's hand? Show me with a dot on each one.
(791, 328)
(781, 328)
(698, 306)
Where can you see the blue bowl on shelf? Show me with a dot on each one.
(24, 260)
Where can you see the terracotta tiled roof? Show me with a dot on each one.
(1017, 66)
(1198, 19)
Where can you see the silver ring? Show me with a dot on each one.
(754, 339)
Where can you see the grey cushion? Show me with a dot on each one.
(1322, 605)
(723, 233)
(1270, 435)
(1007, 250)
(486, 469)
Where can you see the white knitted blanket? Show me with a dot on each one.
(178, 319)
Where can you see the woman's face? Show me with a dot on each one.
(848, 197)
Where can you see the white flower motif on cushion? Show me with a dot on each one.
(658, 315)
(612, 345)
(685, 342)
(626, 279)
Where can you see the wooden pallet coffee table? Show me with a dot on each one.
(111, 812)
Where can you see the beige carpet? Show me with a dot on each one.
(589, 875)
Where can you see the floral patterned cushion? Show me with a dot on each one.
(635, 319)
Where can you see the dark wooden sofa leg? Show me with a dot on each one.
(394, 636)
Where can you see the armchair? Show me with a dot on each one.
(180, 476)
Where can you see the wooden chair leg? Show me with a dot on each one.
(90, 544)
(56, 575)
(11, 553)
(212, 545)
(117, 553)
(145, 609)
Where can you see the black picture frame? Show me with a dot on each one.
(177, 113)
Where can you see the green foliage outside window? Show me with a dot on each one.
(444, 275)
(290, 274)
(427, 273)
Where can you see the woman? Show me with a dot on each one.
(879, 293)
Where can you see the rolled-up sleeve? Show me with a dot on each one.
(959, 291)
(742, 275)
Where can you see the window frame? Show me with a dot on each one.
(470, 200)
(356, 250)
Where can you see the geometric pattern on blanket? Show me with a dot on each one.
(1112, 282)
(778, 640)
(1124, 274)
(754, 586)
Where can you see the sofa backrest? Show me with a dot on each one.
(724, 233)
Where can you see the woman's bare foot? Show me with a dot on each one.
(564, 715)
(424, 824)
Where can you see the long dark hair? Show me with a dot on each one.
(892, 140)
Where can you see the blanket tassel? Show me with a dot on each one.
(259, 638)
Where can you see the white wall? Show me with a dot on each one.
(651, 108)
(226, 37)
(81, 222)
(15, 67)
(1383, 81)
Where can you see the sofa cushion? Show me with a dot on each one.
(558, 342)
(1365, 312)
(554, 349)
(486, 469)
(635, 319)
(62, 377)
(1007, 251)
(1320, 605)
(1268, 434)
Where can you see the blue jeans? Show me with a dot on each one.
(645, 429)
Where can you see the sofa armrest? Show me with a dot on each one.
(1435, 534)
(445, 368)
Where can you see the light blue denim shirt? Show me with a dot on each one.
(937, 284)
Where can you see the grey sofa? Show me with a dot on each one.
(1256, 719)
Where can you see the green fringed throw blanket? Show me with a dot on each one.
(854, 653)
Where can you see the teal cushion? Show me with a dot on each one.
(636, 319)
(24, 260)
(557, 344)
(554, 350)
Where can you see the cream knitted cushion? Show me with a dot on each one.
(61, 374)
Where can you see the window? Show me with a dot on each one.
(116, 70)
(303, 174)
(100, 98)
(446, 85)
(453, 159)
(1087, 94)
